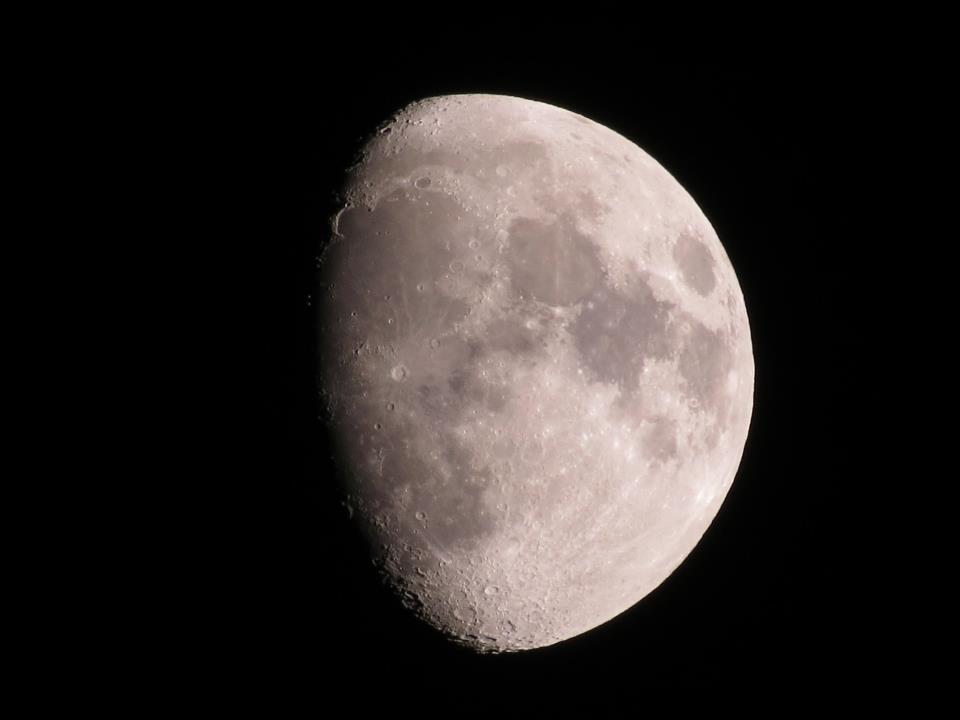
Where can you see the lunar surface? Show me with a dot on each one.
(536, 367)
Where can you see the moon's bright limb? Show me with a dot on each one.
(536, 363)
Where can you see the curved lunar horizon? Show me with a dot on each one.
(536, 366)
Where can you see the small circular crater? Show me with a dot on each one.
(456, 266)
(435, 343)
(390, 407)
(491, 590)
(474, 244)
(398, 373)
(421, 516)
(421, 287)
(376, 426)
(423, 182)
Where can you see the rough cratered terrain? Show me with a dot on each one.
(536, 365)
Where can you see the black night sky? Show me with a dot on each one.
(768, 599)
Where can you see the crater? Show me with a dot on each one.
(551, 261)
(695, 263)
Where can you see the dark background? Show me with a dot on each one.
(771, 595)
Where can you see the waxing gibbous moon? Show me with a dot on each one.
(535, 365)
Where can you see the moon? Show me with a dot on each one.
(535, 367)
